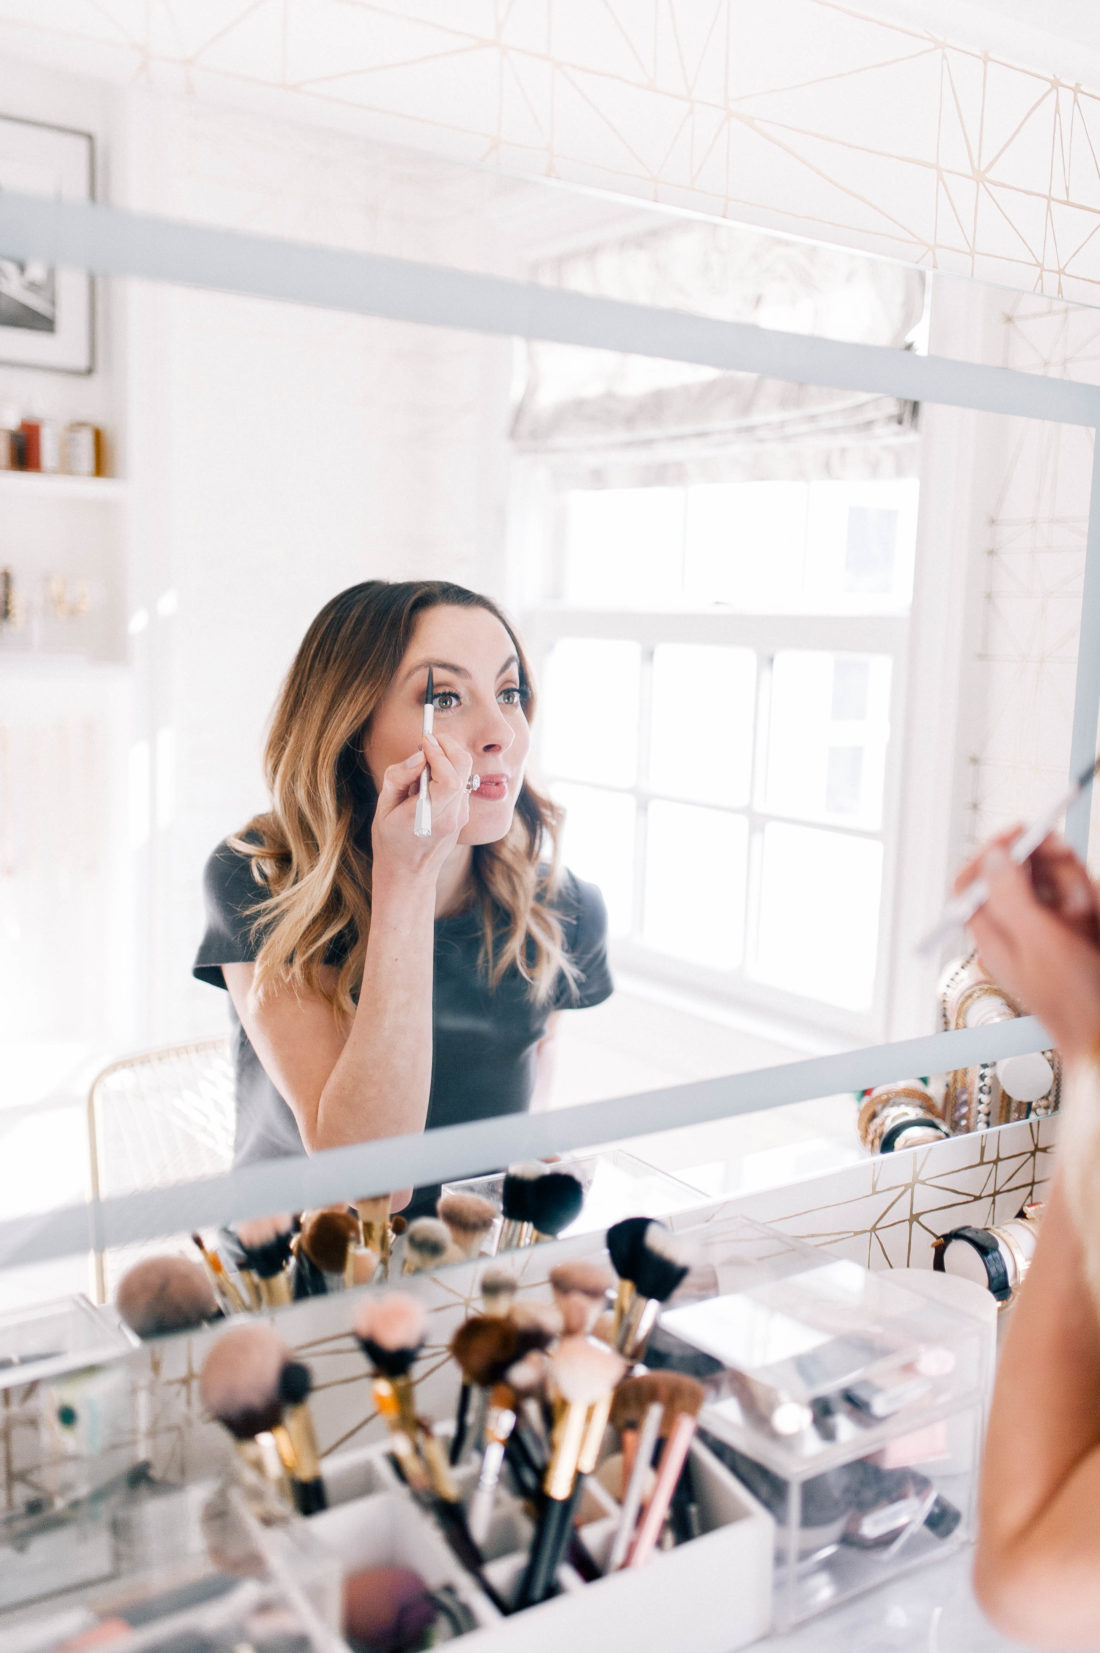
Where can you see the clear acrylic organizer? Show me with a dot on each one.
(850, 1406)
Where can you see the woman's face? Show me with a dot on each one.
(478, 707)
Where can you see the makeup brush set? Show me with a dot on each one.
(577, 1440)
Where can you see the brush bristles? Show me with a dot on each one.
(582, 1371)
(467, 1214)
(591, 1280)
(165, 1294)
(515, 1200)
(498, 1289)
(260, 1231)
(660, 1263)
(427, 1242)
(538, 1324)
(240, 1379)
(364, 1265)
(528, 1376)
(485, 1348)
(554, 1201)
(327, 1237)
(391, 1328)
(388, 1607)
(623, 1241)
(266, 1244)
(673, 1391)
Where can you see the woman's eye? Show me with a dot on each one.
(446, 700)
(512, 697)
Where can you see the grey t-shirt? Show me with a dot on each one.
(483, 1039)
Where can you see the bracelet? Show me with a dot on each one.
(988, 1249)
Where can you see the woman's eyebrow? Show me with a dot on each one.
(449, 666)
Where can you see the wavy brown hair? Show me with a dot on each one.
(311, 852)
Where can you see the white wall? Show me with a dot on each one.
(298, 451)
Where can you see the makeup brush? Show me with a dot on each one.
(422, 826)
(515, 1203)
(374, 1218)
(554, 1201)
(580, 1292)
(295, 1385)
(387, 1609)
(637, 1410)
(678, 1426)
(582, 1374)
(327, 1238)
(165, 1294)
(228, 1294)
(427, 1245)
(265, 1244)
(657, 1264)
(622, 1239)
(498, 1290)
(391, 1329)
(483, 1348)
(240, 1385)
(469, 1219)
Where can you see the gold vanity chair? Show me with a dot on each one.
(161, 1117)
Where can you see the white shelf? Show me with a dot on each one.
(51, 485)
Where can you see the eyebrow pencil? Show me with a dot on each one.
(960, 911)
(422, 826)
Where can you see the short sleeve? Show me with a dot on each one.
(584, 922)
(230, 893)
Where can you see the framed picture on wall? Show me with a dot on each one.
(46, 314)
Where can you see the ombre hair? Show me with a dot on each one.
(311, 852)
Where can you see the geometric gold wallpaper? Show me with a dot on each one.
(799, 114)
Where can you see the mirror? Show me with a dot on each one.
(268, 454)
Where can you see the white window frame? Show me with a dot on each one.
(764, 635)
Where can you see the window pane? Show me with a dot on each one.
(860, 545)
(745, 544)
(828, 730)
(819, 906)
(696, 864)
(803, 548)
(623, 546)
(701, 722)
(588, 710)
(598, 844)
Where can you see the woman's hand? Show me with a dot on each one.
(397, 849)
(1038, 935)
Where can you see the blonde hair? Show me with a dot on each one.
(311, 852)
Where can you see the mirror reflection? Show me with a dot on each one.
(767, 625)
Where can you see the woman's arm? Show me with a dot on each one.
(369, 1075)
(1037, 1569)
(546, 1054)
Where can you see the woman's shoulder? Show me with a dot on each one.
(577, 903)
(231, 877)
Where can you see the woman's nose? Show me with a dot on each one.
(497, 733)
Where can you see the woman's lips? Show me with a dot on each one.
(492, 788)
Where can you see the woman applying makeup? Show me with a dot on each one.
(384, 982)
(1037, 1570)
